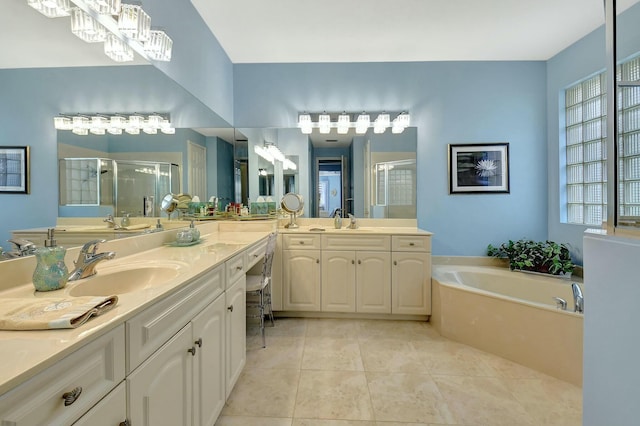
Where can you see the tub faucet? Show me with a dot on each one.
(560, 303)
(353, 224)
(88, 259)
(578, 299)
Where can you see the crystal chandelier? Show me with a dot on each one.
(124, 28)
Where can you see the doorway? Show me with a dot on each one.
(331, 178)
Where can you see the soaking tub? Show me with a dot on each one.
(512, 315)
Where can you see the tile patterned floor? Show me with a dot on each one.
(325, 372)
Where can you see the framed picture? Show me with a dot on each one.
(14, 169)
(479, 168)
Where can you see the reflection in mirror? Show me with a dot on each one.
(352, 157)
(117, 174)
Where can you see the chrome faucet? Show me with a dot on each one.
(23, 247)
(353, 224)
(560, 303)
(88, 259)
(578, 299)
(111, 222)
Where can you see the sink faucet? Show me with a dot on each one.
(111, 222)
(88, 259)
(23, 247)
(353, 224)
(578, 299)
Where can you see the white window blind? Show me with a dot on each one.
(586, 174)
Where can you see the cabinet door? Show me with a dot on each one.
(110, 411)
(160, 390)
(209, 368)
(373, 282)
(236, 332)
(301, 280)
(338, 281)
(411, 283)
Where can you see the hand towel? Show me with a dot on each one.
(51, 313)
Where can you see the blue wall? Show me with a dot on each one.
(577, 62)
(449, 102)
(32, 97)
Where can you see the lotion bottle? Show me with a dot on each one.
(51, 272)
(337, 220)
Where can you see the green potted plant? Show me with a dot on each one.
(545, 257)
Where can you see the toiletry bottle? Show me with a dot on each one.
(124, 222)
(51, 272)
(159, 226)
(195, 232)
(337, 220)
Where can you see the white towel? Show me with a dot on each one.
(51, 313)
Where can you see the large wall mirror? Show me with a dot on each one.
(369, 175)
(129, 174)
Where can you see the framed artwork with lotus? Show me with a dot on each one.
(479, 168)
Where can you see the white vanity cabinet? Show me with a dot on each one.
(301, 272)
(61, 394)
(354, 272)
(188, 378)
(236, 331)
(411, 275)
(110, 411)
(357, 280)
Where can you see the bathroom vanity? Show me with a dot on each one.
(373, 270)
(170, 352)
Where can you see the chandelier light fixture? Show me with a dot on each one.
(362, 123)
(124, 28)
(51, 8)
(114, 124)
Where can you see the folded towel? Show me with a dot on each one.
(133, 227)
(50, 313)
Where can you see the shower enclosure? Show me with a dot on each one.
(90, 186)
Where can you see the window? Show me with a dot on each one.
(586, 174)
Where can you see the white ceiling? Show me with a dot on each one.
(284, 31)
(253, 31)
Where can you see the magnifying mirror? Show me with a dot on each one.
(292, 204)
(169, 204)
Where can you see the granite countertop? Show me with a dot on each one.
(26, 353)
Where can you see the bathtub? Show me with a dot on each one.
(510, 314)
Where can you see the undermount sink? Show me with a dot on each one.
(126, 279)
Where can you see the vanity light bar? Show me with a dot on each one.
(361, 124)
(114, 124)
(124, 28)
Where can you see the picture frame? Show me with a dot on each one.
(14, 170)
(479, 168)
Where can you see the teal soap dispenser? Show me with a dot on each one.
(51, 272)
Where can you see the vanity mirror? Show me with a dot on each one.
(370, 175)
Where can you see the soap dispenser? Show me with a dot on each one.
(337, 220)
(195, 232)
(51, 272)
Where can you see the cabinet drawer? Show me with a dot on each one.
(411, 243)
(148, 330)
(235, 267)
(96, 368)
(256, 253)
(301, 241)
(356, 242)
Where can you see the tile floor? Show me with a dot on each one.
(326, 372)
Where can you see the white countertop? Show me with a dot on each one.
(26, 353)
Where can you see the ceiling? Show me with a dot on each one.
(285, 31)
